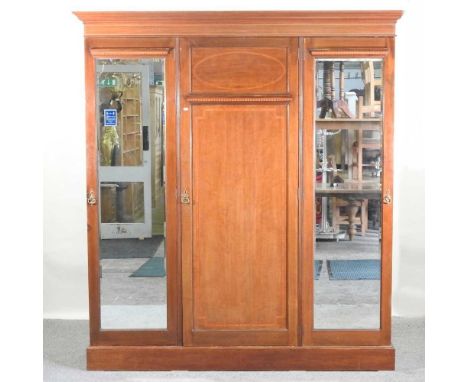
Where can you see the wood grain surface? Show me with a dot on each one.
(240, 137)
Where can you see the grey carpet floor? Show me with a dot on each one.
(65, 342)
(130, 248)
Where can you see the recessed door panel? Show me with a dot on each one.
(239, 216)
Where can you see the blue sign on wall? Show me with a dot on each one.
(110, 117)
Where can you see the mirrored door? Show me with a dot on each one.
(347, 196)
(135, 256)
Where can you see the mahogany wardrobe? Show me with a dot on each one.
(239, 189)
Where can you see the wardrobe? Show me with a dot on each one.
(239, 189)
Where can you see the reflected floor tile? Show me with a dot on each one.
(133, 316)
(361, 316)
(346, 292)
(121, 265)
(361, 247)
(120, 289)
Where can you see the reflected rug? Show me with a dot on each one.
(154, 267)
(353, 269)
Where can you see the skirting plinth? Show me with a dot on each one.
(240, 358)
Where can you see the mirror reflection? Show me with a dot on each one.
(348, 148)
(131, 142)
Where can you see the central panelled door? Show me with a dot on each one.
(238, 191)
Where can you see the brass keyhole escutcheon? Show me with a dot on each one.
(91, 198)
(185, 198)
(387, 199)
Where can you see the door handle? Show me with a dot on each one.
(145, 138)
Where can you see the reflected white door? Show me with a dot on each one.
(125, 152)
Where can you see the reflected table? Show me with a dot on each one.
(353, 193)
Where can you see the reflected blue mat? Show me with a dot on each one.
(154, 267)
(317, 268)
(353, 269)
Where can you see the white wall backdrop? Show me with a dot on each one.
(62, 67)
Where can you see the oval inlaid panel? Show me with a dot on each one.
(239, 70)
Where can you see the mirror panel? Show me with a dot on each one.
(348, 173)
(130, 98)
